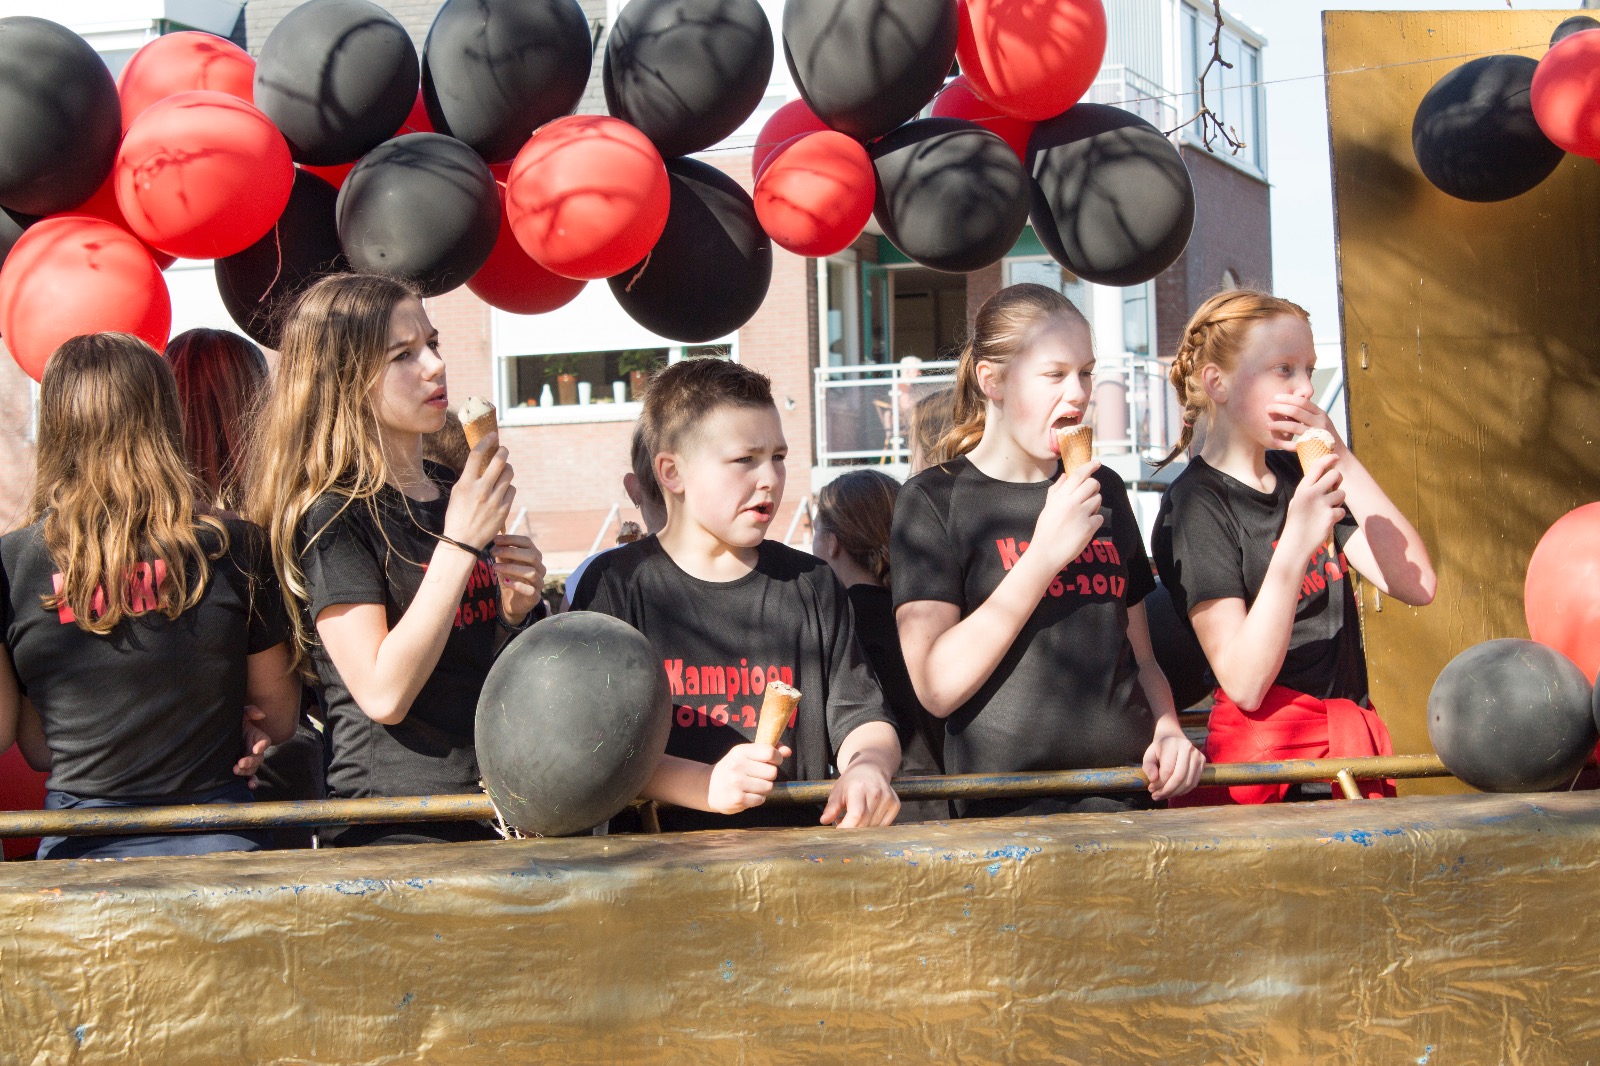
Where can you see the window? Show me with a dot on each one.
(1136, 319)
(1234, 95)
(1049, 273)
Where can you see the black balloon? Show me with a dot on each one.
(1512, 716)
(338, 77)
(1177, 649)
(687, 72)
(60, 119)
(709, 272)
(1474, 133)
(1575, 24)
(1112, 199)
(258, 284)
(951, 195)
(492, 73)
(572, 720)
(866, 66)
(422, 208)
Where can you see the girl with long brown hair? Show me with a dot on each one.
(1018, 587)
(1241, 544)
(138, 624)
(850, 531)
(399, 583)
(220, 377)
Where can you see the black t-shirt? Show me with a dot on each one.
(1214, 540)
(720, 642)
(1066, 695)
(921, 734)
(153, 709)
(355, 559)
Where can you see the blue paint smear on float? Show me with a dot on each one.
(1364, 837)
(1427, 1053)
(406, 1001)
(727, 969)
(79, 1033)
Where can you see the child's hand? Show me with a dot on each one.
(1317, 506)
(520, 567)
(1172, 764)
(480, 502)
(743, 778)
(256, 743)
(1070, 518)
(1290, 416)
(863, 795)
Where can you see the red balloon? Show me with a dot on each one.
(815, 195)
(21, 789)
(203, 175)
(72, 274)
(786, 123)
(959, 101)
(1560, 598)
(588, 196)
(512, 281)
(103, 204)
(1031, 60)
(1566, 94)
(179, 63)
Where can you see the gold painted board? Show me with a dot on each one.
(1471, 343)
(1435, 929)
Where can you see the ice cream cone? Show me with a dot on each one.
(777, 707)
(1077, 446)
(1313, 445)
(477, 419)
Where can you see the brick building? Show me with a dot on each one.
(833, 335)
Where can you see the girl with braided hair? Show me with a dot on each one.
(1240, 543)
(1018, 588)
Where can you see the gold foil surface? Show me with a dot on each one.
(1434, 930)
(1471, 345)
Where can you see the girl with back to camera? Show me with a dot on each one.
(400, 583)
(1017, 588)
(1240, 542)
(137, 622)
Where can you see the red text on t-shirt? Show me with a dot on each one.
(728, 681)
(144, 592)
(1323, 570)
(1091, 574)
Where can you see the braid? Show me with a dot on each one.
(1213, 337)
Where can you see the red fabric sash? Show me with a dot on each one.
(1288, 725)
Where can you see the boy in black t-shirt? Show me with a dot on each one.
(730, 612)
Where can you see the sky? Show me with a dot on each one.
(1297, 140)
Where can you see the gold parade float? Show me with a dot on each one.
(1425, 929)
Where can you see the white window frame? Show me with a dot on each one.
(579, 414)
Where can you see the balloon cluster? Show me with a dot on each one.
(1496, 127)
(342, 148)
(1523, 715)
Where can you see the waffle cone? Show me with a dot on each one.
(1310, 449)
(777, 707)
(480, 427)
(1077, 446)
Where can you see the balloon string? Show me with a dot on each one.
(640, 272)
(277, 241)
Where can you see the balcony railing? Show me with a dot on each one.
(1121, 87)
(864, 412)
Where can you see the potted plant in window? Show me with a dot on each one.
(638, 364)
(564, 368)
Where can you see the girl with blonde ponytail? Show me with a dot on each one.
(1018, 588)
(1240, 544)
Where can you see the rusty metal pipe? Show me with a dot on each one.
(114, 821)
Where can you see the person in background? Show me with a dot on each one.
(220, 377)
(1242, 539)
(640, 485)
(851, 533)
(399, 583)
(931, 422)
(137, 622)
